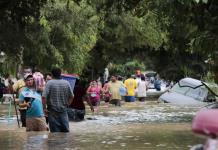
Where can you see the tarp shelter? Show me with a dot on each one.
(71, 78)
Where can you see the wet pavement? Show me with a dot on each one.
(147, 125)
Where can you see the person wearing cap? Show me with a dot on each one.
(32, 100)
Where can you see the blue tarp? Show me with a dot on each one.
(70, 78)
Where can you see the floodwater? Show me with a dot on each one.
(134, 126)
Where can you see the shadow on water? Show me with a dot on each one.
(137, 125)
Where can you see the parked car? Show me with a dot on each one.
(188, 91)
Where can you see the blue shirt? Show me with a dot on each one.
(36, 108)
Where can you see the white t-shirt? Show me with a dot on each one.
(141, 90)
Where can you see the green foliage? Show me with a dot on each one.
(128, 68)
(62, 37)
(186, 71)
(17, 17)
(84, 36)
(209, 78)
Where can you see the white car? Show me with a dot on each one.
(188, 91)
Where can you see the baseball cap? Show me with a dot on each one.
(26, 76)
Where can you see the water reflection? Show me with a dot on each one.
(147, 125)
(35, 141)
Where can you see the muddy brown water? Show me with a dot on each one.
(134, 126)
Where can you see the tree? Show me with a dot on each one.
(16, 16)
(72, 31)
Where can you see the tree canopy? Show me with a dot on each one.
(172, 37)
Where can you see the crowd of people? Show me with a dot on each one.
(43, 99)
(47, 102)
(115, 89)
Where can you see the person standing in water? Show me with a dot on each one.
(76, 111)
(17, 88)
(58, 95)
(130, 85)
(93, 93)
(142, 88)
(114, 87)
(32, 100)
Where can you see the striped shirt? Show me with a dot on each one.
(57, 93)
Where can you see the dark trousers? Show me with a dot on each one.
(58, 121)
(130, 98)
(115, 102)
(76, 114)
(23, 117)
(141, 99)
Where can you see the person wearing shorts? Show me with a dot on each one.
(30, 98)
(93, 93)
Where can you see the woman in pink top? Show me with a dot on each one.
(93, 92)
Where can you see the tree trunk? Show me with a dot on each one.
(215, 67)
(215, 70)
(20, 63)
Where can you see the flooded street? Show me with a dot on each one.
(146, 125)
